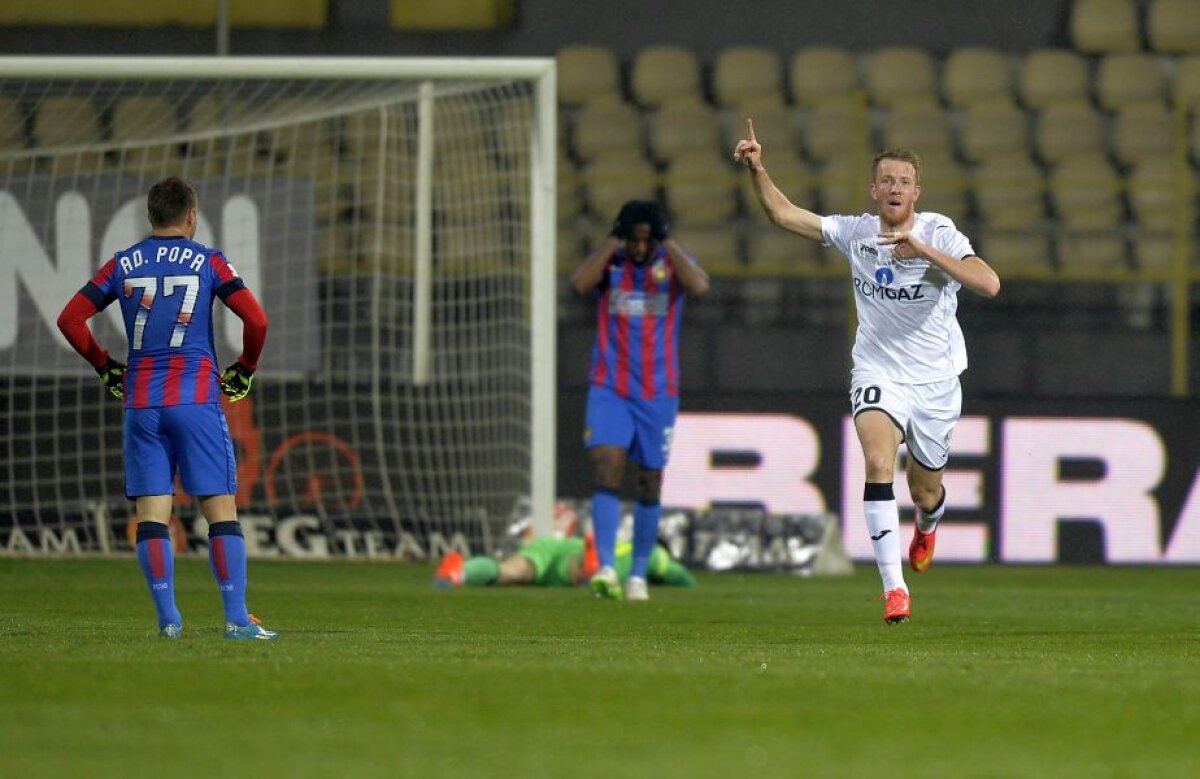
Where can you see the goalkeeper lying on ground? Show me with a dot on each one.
(555, 562)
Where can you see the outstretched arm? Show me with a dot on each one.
(782, 211)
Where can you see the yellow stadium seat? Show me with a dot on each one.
(747, 73)
(777, 252)
(1069, 128)
(944, 186)
(569, 199)
(1161, 192)
(1009, 192)
(820, 73)
(790, 174)
(833, 127)
(715, 248)
(975, 74)
(607, 127)
(143, 116)
(1016, 251)
(1086, 192)
(900, 73)
(1186, 91)
(920, 125)
(68, 122)
(1122, 79)
(1050, 76)
(1092, 250)
(775, 125)
(587, 74)
(845, 183)
(1143, 130)
(663, 73)
(993, 127)
(1104, 26)
(1173, 26)
(12, 125)
(682, 127)
(609, 181)
(701, 189)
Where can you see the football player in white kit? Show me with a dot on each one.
(907, 268)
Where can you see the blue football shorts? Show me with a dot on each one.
(192, 437)
(643, 428)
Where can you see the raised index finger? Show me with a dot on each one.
(750, 129)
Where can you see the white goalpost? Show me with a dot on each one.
(396, 218)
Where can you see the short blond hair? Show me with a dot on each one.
(902, 155)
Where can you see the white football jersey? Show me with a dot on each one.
(906, 308)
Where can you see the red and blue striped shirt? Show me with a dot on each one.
(166, 287)
(636, 353)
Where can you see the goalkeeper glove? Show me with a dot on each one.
(112, 373)
(660, 229)
(236, 381)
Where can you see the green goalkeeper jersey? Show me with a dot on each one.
(552, 560)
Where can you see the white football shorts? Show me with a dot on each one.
(925, 413)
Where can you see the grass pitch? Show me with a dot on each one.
(1002, 672)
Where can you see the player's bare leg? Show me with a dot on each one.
(227, 555)
(930, 496)
(880, 438)
(156, 556)
(516, 569)
(608, 469)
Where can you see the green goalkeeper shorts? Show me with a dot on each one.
(551, 558)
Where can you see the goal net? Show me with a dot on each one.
(394, 216)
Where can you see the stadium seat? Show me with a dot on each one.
(143, 116)
(470, 249)
(663, 73)
(587, 74)
(1068, 128)
(1159, 187)
(715, 248)
(1122, 79)
(12, 125)
(1154, 252)
(1104, 26)
(1085, 191)
(605, 128)
(773, 251)
(684, 126)
(609, 181)
(775, 125)
(569, 199)
(900, 73)
(920, 125)
(790, 174)
(1009, 192)
(66, 122)
(975, 74)
(993, 127)
(1186, 90)
(820, 73)
(1091, 252)
(1050, 76)
(701, 189)
(1143, 130)
(944, 186)
(1173, 26)
(833, 127)
(1016, 251)
(845, 183)
(747, 73)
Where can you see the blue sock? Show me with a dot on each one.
(606, 519)
(227, 553)
(157, 560)
(645, 535)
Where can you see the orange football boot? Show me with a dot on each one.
(897, 606)
(450, 571)
(920, 551)
(591, 560)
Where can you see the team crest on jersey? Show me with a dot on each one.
(659, 271)
(884, 276)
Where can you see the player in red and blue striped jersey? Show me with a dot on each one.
(166, 285)
(640, 277)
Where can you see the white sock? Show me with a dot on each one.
(928, 521)
(883, 525)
